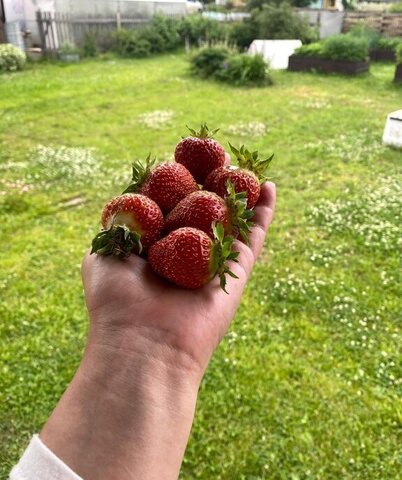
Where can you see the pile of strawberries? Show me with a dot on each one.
(183, 216)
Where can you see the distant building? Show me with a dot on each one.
(327, 5)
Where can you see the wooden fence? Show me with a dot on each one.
(58, 29)
(386, 23)
(2, 20)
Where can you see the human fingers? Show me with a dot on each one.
(248, 254)
(263, 215)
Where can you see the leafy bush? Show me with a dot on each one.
(89, 47)
(196, 29)
(338, 47)
(68, 49)
(252, 4)
(12, 58)
(160, 36)
(243, 69)
(310, 50)
(128, 43)
(387, 43)
(281, 22)
(242, 33)
(207, 61)
(226, 65)
(399, 54)
(396, 8)
(345, 47)
(369, 34)
(165, 28)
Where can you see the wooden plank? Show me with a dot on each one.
(59, 33)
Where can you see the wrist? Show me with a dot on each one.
(129, 403)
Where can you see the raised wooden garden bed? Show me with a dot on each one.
(398, 74)
(299, 63)
(381, 55)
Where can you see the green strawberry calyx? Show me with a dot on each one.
(140, 173)
(240, 216)
(204, 132)
(118, 240)
(250, 161)
(221, 254)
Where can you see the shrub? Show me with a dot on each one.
(196, 29)
(243, 69)
(242, 33)
(387, 43)
(396, 8)
(281, 22)
(209, 60)
(310, 50)
(345, 47)
(399, 54)
(68, 49)
(338, 47)
(369, 34)
(12, 58)
(251, 4)
(128, 43)
(89, 47)
(165, 28)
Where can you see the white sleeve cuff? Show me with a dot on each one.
(39, 463)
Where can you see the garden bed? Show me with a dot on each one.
(382, 55)
(398, 74)
(299, 63)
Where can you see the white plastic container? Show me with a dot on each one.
(275, 52)
(393, 130)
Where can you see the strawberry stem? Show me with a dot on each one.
(239, 214)
(221, 254)
(118, 240)
(204, 132)
(250, 161)
(140, 173)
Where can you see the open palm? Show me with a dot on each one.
(127, 300)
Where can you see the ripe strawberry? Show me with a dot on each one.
(200, 153)
(200, 209)
(131, 222)
(245, 178)
(166, 184)
(190, 259)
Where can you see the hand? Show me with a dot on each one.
(128, 411)
(127, 301)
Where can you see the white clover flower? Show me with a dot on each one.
(247, 129)
(157, 119)
(49, 165)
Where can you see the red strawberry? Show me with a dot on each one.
(190, 259)
(131, 222)
(200, 153)
(200, 209)
(165, 184)
(245, 178)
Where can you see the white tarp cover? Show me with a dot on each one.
(393, 130)
(275, 52)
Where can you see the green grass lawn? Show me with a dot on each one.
(307, 383)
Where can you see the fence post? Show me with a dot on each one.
(118, 19)
(383, 23)
(39, 20)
